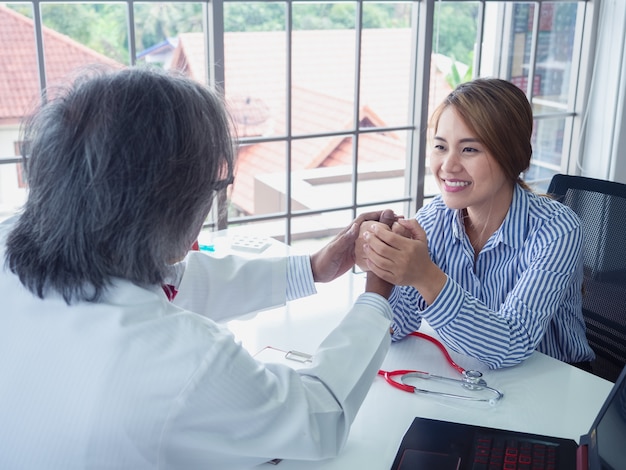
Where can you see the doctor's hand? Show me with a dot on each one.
(338, 256)
(400, 256)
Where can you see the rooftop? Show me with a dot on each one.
(19, 75)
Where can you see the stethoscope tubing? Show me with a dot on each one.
(472, 379)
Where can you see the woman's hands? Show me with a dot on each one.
(392, 250)
(399, 255)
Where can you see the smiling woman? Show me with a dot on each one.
(481, 147)
(493, 267)
(470, 178)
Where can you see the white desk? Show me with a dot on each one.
(542, 395)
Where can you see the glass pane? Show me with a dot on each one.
(431, 188)
(101, 27)
(520, 47)
(260, 185)
(382, 167)
(13, 188)
(385, 64)
(255, 67)
(19, 91)
(170, 35)
(555, 49)
(19, 86)
(547, 145)
(321, 176)
(158, 25)
(312, 232)
(323, 68)
(455, 38)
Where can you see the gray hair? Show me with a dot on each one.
(122, 167)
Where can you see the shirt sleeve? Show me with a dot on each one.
(524, 300)
(223, 288)
(236, 412)
(226, 287)
(300, 281)
(510, 334)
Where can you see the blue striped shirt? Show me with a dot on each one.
(300, 281)
(522, 293)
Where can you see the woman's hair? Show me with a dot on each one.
(500, 116)
(122, 167)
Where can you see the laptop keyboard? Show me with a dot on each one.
(494, 453)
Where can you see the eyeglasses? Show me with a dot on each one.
(223, 184)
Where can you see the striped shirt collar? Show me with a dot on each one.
(513, 229)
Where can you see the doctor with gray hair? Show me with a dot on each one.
(98, 367)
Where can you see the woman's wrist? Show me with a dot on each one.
(432, 282)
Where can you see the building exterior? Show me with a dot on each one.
(321, 168)
(257, 102)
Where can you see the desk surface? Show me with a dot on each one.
(541, 395)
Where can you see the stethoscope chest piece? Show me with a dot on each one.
(473, 380)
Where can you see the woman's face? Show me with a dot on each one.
(468, 175)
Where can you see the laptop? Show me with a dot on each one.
(444, 445)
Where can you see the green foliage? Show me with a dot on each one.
(156, 22)
(454, 78)
(103, 26)
(240, 16)
(455, 29)
(100, 27)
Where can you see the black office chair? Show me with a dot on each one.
(601, 207)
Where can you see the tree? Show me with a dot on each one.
(455, 30)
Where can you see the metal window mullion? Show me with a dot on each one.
(214, 45)
(313, 135)
(308, 212)
(357, 104)
(580, 83)
(39, 48)
(532, 59)
(9, 160)
(130, 26)
(478, 49)
(502, 53)
(288, 117)
(422, 40)
(213, 25)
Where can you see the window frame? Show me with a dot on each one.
(423, 13)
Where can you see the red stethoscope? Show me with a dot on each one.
(471, 379)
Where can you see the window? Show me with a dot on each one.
(328, 98)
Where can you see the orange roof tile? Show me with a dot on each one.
(19, 77)
(315, 152)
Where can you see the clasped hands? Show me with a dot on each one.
(392, 250)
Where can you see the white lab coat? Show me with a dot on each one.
(137, 382)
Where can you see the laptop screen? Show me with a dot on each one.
(608, 436)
